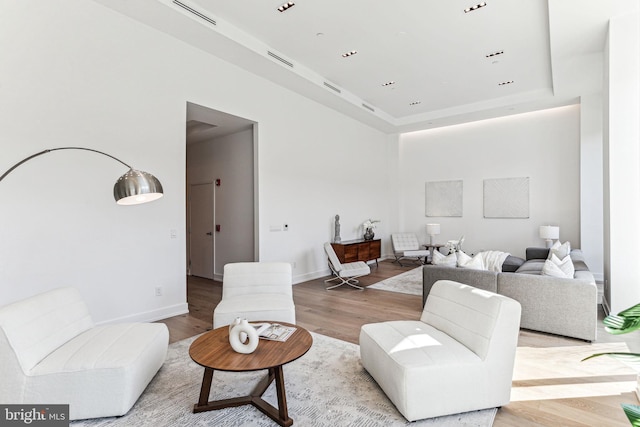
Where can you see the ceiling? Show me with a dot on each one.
(438, 57)
(205, 124)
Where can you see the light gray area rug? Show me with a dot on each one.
(326, 387)
(409, 282)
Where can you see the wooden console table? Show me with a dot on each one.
(358, 250)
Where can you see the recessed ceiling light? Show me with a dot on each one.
(500, 52)
(476, 7)
(348, 54)
(389, 83)
(415, 103)
(286, 6)
(505, 83)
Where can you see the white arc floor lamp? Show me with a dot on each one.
(132, 188)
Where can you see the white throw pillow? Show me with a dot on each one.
(443, 260)
(561, 250)
(559, 268)
(465, 261)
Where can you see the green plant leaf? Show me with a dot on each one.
(624, 322)
(626, 357)
(633, 414)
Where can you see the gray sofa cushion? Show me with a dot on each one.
(533, 266)
(511, 264)
(537, 253)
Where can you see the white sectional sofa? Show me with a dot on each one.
(51, 353)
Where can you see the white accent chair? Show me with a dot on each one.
(406, 245)
(346, 273)
(457, 358)
(256, 291)
(51, 352)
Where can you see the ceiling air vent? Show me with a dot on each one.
(368, 107)
(279, 58)
(332, 87)
(194, 12)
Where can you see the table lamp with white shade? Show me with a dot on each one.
(549, 233)
(432, 230)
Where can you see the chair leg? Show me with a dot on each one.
(351, 281)
(398, 260)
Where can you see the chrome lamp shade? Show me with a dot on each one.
(132, 188)
(135, 187)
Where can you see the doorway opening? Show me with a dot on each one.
(221, 191)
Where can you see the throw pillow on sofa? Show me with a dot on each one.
(561, 250)
(473, 263)
(557, 267)
(444, 260)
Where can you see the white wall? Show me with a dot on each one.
(230, 159)
(622, 163)
(77, 73)
(543, 146)
(591, 184)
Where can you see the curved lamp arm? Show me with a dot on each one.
(132, 188)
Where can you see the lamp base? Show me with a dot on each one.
(549, 243)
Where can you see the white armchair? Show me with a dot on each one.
(346, 273)
(51, 352)
(406, 245)
(256, 291)
(458, 357)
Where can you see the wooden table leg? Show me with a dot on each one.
(280, 414)
(206, 387)
(282, 395)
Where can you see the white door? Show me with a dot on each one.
(201, 230)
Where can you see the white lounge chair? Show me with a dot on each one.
(346, 273)
(256, 291)
(458, 357)
(405, 245)
(51, 352)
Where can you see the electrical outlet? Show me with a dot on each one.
(293, 264)
(158, 291)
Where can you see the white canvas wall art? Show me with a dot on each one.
(443, 198)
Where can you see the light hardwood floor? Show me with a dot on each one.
(551, 387)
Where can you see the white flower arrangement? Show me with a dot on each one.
(370, 224)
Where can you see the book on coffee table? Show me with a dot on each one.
(273, 331)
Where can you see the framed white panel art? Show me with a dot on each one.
(443, 198)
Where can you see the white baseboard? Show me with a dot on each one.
(151, 316)
(310, 276)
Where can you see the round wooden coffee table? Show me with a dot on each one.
(213, 351)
